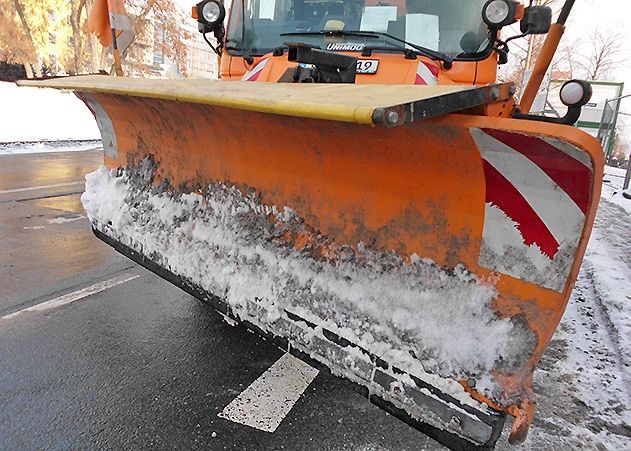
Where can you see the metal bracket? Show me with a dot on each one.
(328, 67)
(570, 118)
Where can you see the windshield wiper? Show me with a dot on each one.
(433, 54)
(409, 53)
(361, 34)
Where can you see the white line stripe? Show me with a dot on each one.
(268, 400)
(74, 296)
(62, 220)
(34, 188)
(553, 205)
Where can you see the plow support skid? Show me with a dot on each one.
(426, 256)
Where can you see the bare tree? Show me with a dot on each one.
(604, 54)
(524, 52)
(53, 33)
(15, 48)
(151, 18)
(29, 52)
(78, 62)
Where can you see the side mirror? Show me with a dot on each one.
(536, 20)
(210, 15)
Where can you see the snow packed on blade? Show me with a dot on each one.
(434, 323)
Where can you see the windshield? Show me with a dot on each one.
(452, 27)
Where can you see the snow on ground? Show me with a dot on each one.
(612, 187)
(49, 146)
(583, 383)
(36, 114)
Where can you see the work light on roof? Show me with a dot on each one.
(498, 13)
(210, 12)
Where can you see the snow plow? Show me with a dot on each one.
(372, 201)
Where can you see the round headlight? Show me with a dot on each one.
(498, 13)
(575, 93)
(211, 12)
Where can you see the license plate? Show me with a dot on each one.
(367, 66)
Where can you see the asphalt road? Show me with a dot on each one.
(140, 364)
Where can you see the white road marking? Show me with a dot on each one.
(62, 220)
(74, 296)
(268, 400)
(34, 188)
(34, 228)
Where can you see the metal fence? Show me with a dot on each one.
(607, 128)
(607, 132)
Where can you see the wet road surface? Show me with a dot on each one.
(139, 364)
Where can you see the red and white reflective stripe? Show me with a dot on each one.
(426, 74)
(538, 184)
(253, 75)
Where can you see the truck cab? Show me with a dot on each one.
(394, 41)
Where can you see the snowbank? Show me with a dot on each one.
(612, 187)
(41, 114)
(582, 382)
(608, 265)
(49, 146)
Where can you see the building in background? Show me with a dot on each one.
(57, 47)
(201, 61)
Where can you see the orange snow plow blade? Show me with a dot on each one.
(420, 250)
